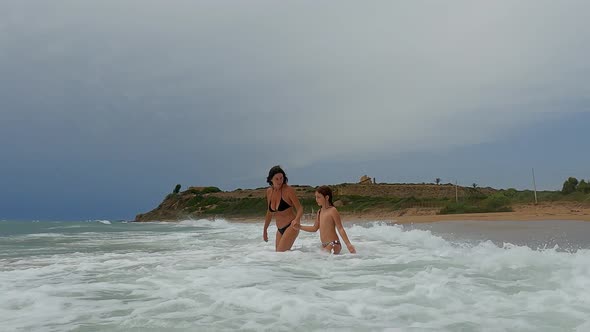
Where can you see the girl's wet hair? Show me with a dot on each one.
(274, 171)
(326, 191)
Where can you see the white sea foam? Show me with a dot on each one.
(217, 275)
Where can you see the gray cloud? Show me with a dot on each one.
(287, 82)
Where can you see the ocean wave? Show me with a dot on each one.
(201, 274)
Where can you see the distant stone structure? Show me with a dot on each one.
(365, 180)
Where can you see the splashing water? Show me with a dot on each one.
(197, 275)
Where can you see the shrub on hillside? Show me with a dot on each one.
(474, 193)
(177, 189)
(497, 202)
(583, 187)
(208, 190)
(205, 190)
(510, 192)
(569, 186)
(459, 208)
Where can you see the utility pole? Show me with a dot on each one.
(534, 186)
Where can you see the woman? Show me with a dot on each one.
(280, 200)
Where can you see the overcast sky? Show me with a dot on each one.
(106, 105)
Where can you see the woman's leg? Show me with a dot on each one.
(278, 240)
(285, 242)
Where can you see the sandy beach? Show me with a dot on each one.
(524, 212)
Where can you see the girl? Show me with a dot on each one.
(327, 221)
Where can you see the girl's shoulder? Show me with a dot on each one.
(330, 210)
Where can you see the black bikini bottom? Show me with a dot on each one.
(282, 230)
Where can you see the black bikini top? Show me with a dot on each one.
(282, 204)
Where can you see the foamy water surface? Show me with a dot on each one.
(216, 275)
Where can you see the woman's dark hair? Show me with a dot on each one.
(326, 191)
(276, 170)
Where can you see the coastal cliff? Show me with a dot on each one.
(204, 202)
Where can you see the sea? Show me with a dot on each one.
(217, 275)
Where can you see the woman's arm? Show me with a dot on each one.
(342, 232)
(297, 205)
(267, 217)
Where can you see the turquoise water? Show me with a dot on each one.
(216, 275)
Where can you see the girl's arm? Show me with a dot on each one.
(342, 232)
(315, 226)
